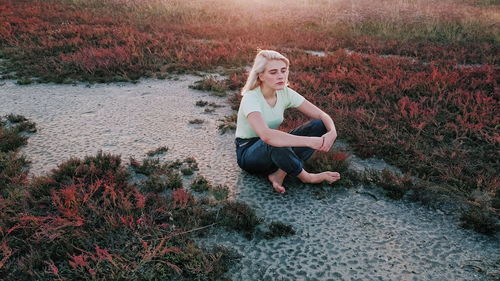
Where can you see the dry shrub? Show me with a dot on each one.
(239, 216)
(279, 229)
(14, 130)
(480, 220)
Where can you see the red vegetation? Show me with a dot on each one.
(436, 120)
(113, 40)
(62, 41)
(181, 198)
(91, 224)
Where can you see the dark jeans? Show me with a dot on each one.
(258, 157)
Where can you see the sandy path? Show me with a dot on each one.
(125, 119)
(342, 234)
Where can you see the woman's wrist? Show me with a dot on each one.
(315, 142)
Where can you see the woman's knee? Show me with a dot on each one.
(281, 150)
(318, 127)
(286, 159)
(256, 165)
(282, 154)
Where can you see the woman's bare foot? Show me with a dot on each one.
(277, 179)
(328, 176)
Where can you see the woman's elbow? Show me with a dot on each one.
(323, 115)
(266, 137)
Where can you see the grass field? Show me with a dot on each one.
(413, 82)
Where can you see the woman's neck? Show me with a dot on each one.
(267, 92)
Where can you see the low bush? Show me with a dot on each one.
(480, 220)
(238, 216)
(159, 150)
(279, 229)
(200, 184)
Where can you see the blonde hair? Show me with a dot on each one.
(259, 65)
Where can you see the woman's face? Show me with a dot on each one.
(275, 74)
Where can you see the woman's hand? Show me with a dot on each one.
(329, 139)
(316, 143)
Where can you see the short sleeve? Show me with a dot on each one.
(295, 98)
(249, 103)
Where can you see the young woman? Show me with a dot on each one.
(260, 147)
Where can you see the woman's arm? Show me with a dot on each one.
(278, 138)
(314, 112)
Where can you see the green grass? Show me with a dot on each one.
(201, 103)
(196, 121)
(13, 130)
(228, 123)
(211, 84)
(240, 217)
(279, 229)
(425, 29)
(159, 150)
(24, 81)
(220, 192)
(187, 171)
(477, 219)
(200, 184)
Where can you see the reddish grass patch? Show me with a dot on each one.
(62, 42)
(435, 121)
(91, 223)
(101, 41)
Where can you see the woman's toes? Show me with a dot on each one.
(279, 188)
(333, 178)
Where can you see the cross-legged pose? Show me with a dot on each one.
(263, 149)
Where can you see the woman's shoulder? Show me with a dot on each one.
(252, 92)
(289, 92)
(293, 99)
(250, 98)
(251, 95)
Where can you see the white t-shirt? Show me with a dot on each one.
(273, 116)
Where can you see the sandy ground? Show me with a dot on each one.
(342, 234)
